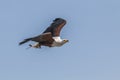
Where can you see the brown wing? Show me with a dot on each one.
(56, 27)
(45, 37)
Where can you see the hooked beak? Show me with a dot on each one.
(67, 41)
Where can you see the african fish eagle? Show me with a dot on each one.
(50, 37)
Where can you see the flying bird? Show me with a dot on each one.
(50, 37)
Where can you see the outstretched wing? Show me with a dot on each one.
(56, 27)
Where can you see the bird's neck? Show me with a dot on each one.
(57, 39)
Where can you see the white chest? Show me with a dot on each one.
(58, 42)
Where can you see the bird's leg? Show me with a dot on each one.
(37, 45)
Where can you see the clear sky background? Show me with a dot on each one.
(93, 30)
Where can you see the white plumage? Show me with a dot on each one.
(57, 42)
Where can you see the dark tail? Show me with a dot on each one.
(24, 41)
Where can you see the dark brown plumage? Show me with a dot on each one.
(56, 27)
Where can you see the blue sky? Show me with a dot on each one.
(93, 30)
